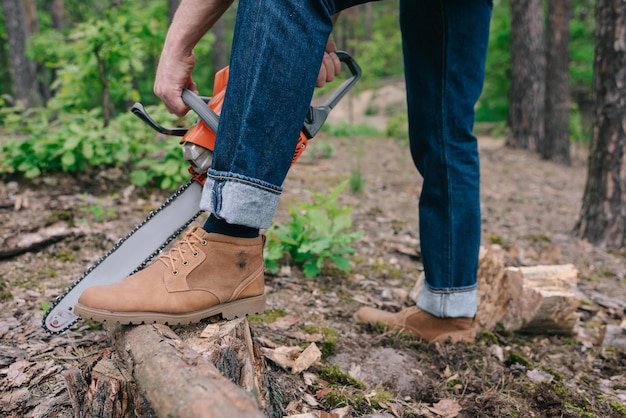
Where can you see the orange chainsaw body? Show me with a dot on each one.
(203, 136)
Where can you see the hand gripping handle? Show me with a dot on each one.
(316, 115)
(199, 106)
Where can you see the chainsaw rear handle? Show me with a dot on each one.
(316, 116)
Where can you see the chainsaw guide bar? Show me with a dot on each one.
(130, 254)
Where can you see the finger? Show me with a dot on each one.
(329, 65)
(321, 77)
(336, 63)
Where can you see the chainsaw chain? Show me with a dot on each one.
(117, 245)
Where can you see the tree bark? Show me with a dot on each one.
(603, 215)
(21, 69)
(101, 387)
(556, 145)
(177, 380)
(57, 10)
(527, 101)
(30, 14)
(544, 299)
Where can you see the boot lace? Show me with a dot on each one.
(181, 251)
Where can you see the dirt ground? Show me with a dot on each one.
(529, 209)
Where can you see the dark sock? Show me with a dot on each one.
(220, 226)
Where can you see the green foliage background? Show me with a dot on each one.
(69, 132)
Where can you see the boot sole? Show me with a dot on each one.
(236, 309)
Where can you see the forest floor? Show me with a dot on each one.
(529, 208)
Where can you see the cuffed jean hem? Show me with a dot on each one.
(454, 304)
(240, 200)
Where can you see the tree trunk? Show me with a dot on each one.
(527, 101)
(57, 10)
(108, 109)
(21, 69)
(603, 214)
(556, 144)
(178, 381)
(219, 55)
(30, 14)
(5, 75)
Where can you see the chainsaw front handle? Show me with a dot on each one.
(316, 115)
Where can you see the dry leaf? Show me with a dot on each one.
(310, 399)
(309, 356)
(447, 408)
(404, 249)
(283, 356)
(284, 323)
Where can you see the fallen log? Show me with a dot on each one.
(228, 345)
(102, 388)
(544, 299)
(177, 380)
(539, 299)
(495, 291)
(21, 243)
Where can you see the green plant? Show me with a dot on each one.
(397, 126)
(99, 212)
(73, 142)
(45, 306)
(346, 129)
(317, 232)
(320, 150)
(356, 179)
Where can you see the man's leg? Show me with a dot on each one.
(276, 55)
(444, 45)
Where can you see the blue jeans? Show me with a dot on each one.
(275, 59)
(445, 47)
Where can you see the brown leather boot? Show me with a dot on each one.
(202, 275)
(421, 324)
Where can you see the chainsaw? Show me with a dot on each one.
(152, 235)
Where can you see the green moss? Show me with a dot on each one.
(5, 295)
(536, 238)
(268, 316)
(518, 358)
(489, 337)
(328, 345)
(619, 407)
(338, 398)
(66, 256)
(495, 239)
(63, 215)
(334, 376)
